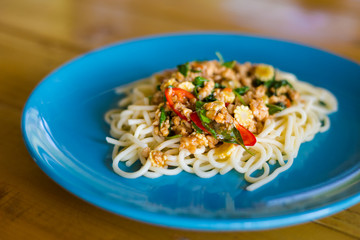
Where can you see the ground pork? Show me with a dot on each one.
(228, 74)
(211, 141)
(206, 90)
(260, 91)
(224, 95)
(181, 126)
(259, 109)
(192, 142)
(157, 158)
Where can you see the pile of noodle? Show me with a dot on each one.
(277, 144)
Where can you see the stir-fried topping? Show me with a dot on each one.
(210, 103)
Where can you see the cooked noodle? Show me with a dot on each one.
(278, 143)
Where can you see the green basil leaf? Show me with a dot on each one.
(286, 82)
(241, 90)
(257, 82)
(274, 108)
(269, 83)
(206, 123)
(218, 85)
(220, 57)
(237, 136)
(196, 71)
(242, 100)
(203, 117)
(202, 112)
(158, 87)
(184, 69)
(226, 136)
(199, 105)
(199, 81)
(240, 140)
(162, 116)
(210, 98)
(175, 136)
(277, 83)
(238, 94)
(322, 103)
(196, 93)
(230, 141)
(212, 131)
(197, 129)
(273, 85)
(229, 64)
(322, 122)
(281, 104)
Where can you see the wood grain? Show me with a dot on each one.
(24, 63)
(29, 200)
(90, 23)
(36, 36)
(346, 221)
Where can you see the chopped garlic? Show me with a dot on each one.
(264, 72)
(225, 150)
(244, 116)
(188, 86)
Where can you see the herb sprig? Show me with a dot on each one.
(239, 92)
(184, 69)
(162, 116)
(229, 64)
(274, 108)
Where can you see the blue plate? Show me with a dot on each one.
(64, 131)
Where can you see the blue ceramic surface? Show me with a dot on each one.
(64, 131)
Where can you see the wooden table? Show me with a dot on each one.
(38, 35)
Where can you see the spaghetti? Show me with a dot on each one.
(144, 128)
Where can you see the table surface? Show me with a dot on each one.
(36, 36)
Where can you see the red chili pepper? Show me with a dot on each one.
(195, 118)
(248, 138)
(182, 96)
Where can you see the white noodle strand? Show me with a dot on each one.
(277, 145)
